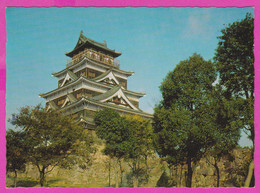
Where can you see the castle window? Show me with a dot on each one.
(88, 94)
(91, 74)
(124, 84)
(60, 102)
(116, 100)
(78, 95)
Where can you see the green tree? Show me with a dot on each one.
(128, 137)
(50, 137)
(182, 122)
(234, 59)
(227, 124)
(115, 131)
(142, 147)
(15, 152)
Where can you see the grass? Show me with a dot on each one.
(58, 182)
(51, 182)
(21, 182)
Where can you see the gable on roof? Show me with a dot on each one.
(115, 95)
(107, 77)
(70, 76)
(51, 106)
(82, 39)
(66, 102)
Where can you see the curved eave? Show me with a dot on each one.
(82, 119)
(44, 95)
(111, 106)
(129, 73)
(89, 43)
(102, 75)
(107, 94)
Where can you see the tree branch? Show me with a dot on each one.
(51, 168)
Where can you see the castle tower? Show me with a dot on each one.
(92, 81)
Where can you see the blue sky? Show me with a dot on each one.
(152, 42)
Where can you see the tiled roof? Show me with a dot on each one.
(72, 98)
(112, 106)
(102, 75)
(107, 94)
(87, 41)
(92, 82)
(93, 62)
(72, 75)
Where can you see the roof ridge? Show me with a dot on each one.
(88, 59)
(139, 111)
(94, 43)
(84, 78)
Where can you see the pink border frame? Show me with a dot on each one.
(125, 3)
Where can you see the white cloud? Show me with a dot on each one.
(198, 23)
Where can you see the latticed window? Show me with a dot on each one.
(83, 73)
(116, 100)
(60, 102)
(78, 95)
(91, 74)
(124, 84)
(88, 94)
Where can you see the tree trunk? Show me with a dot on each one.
(189, 176)
(181, 177)
(42, 177)
(146, 169)
(109, 170)
(15, 178)
(121, 173)
(117, 175)
(250, 174)
(135, 181)
(217, 170)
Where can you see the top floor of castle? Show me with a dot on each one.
(94, 50)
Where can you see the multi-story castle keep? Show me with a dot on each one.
(92, 81)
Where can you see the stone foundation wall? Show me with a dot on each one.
(233, 171)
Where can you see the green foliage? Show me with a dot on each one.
(182, 121)
(142, 135)
(234, 60)
(81, 152)
(235, 57)
(163, 180)
(50, 137)
(227, 122)
(16, 152)
(142, 147)
(128, 137)
(234, 106)
(188, 85)
(115, 131)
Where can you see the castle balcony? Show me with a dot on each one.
(94, 55)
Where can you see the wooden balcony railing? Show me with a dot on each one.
(94, 55)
